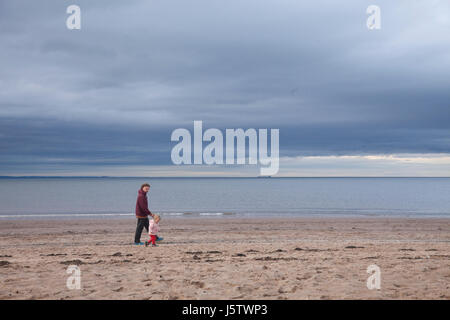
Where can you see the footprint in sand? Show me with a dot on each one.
(194, 252)
(69, 262)
(198, 284)
(4, 263)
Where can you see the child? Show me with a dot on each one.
(153, 230)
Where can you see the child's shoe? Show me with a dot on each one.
(155, 245)
(146, 243)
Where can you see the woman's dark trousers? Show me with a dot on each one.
(141, 224)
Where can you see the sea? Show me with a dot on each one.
(106, 197)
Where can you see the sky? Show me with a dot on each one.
(104, 100)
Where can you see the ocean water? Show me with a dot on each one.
(22, 198)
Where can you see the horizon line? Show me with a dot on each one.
(209, 177)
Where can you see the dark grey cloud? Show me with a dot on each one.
(112, 92)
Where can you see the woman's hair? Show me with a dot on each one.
(145, 185)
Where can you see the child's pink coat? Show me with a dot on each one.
(153, 228)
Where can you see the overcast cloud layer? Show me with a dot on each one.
(110, 94)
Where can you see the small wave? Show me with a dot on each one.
(64, 215)
(172, 213)
(196, 213)
(211, 214)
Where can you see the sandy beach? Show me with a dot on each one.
(227, 258)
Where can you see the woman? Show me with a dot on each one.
(142, 213)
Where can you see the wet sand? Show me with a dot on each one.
(227, 258)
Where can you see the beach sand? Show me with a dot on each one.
(227, 258)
